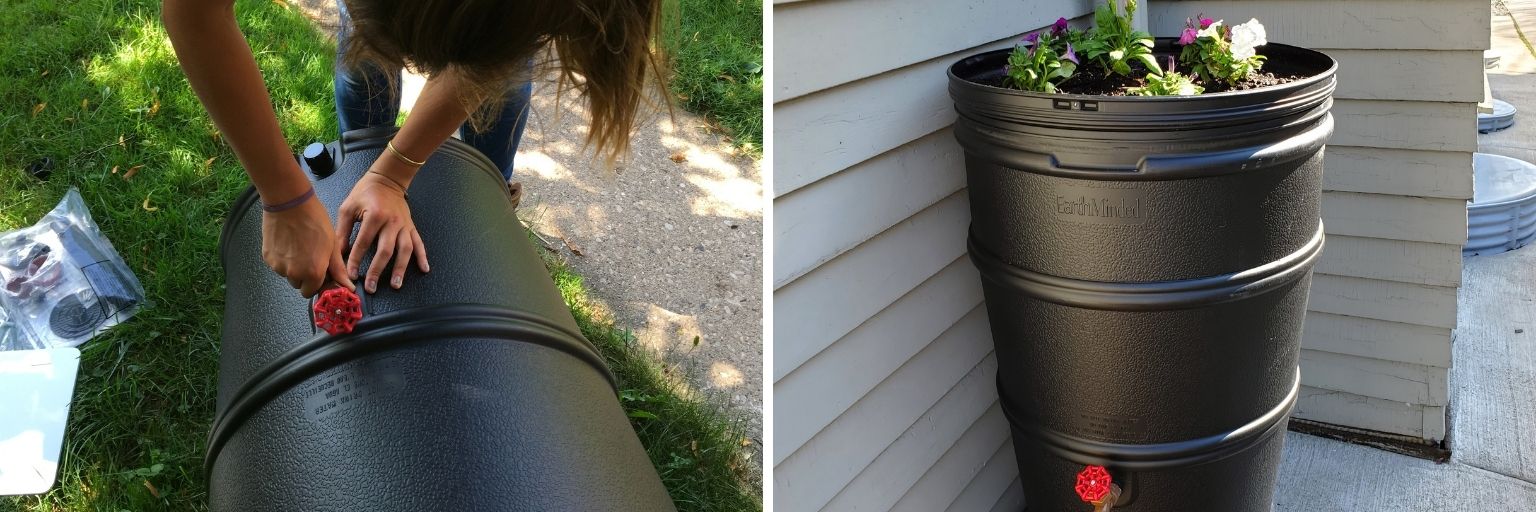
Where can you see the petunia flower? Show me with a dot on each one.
(1247, 37)
(1060, 27)
(1070, 55)
(1206, 22)
(1032, 38)
(1211, 30)
(1188, 37)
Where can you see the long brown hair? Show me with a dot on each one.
(606, 51)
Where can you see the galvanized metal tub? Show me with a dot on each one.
(1502, 213)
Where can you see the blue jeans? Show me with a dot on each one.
(365, 98)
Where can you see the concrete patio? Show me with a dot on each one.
(1493, 382)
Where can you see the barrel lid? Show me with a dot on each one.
(1499, 179)
(1502, 117)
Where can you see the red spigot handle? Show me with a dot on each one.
(338, 310)
(1093, 484)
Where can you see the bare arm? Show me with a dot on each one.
(377, 202)
(438, 112)
(223, 73)
(296, 242)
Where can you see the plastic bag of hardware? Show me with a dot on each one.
(63, 281)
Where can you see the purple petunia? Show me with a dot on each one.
(1032, 38)
(1060, 27)
(1070, 55)
(1188, 37)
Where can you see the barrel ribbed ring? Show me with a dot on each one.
(1149, 457)
(387, 332)
(1148, 296)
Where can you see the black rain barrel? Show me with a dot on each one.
(471, 388)
(1146, 262)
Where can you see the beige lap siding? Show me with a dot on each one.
(1377, 345)
(883, 367)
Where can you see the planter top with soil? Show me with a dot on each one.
(1286, 65)
(1296, 85)
(1113, 78)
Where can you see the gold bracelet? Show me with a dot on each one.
(402, 157)
(391, 180)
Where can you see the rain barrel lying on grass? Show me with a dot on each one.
(470, 388)
(1146, 264)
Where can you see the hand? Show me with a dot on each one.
(298, 245)
(379, 203)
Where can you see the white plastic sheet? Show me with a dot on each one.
(35, 391)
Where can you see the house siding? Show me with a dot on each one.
(883, 364)
(1376, 349)
(883, 367)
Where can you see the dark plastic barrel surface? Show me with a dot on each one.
(468, 389)
(1146, 263)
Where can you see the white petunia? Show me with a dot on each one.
(1242, 52)
(1213, 31)
(1247, 37)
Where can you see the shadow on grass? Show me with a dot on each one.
(717, 61)
(696, 448)
(95, 86)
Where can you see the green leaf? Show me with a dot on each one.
(1121, 67)
(642, 414)
(1104, 17)
(678, 462)
(1117, 55)
(1067, 69)
(1151, 62)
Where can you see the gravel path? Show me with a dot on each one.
(670, 241)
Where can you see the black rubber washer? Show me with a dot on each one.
(71, 318)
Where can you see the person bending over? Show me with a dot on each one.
(478, 58)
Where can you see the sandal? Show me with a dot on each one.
(516, 189)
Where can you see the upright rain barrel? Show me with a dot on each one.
(470, 388)
(1145, 262)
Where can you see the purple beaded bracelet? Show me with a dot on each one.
(288, 205)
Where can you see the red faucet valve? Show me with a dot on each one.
(1093, 484)
(337, 311)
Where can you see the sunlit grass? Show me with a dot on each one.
(717, 64)
(94, 86)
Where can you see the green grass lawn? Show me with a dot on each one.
(93, 85)
(717, 64)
